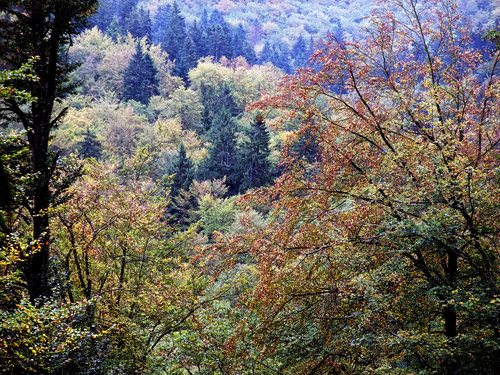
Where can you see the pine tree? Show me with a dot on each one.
(114, 29)
(253, 157)
(104, 16)
(124, 9)
(187, 59)
(139, 79)
(199, 36)
(266, 55)
(281, 57)
(213, 99)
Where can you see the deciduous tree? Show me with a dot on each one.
(383, 253)
(41, 29)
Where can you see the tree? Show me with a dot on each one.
(40, 29)
(382, 256)
(175, 33)
(90, 147)
(158, 27)
(138, 23)
(221, 162)
(139, 79)
(253, 155)
(299, 53)
(183, 170)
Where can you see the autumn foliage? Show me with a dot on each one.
(382, 252)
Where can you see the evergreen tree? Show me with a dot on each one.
(175, 33)
(90, 147)
(238, 43)
(266, 55)
(187, 59)
(139, 79)
(300, 53)
(138, 23)
(281, 57)
(253, 157)
(216, 18)
(183, 170)
(222, 152)
(204, 20)
(114, 29)
(213, 99)
(158, 27)
(199, 35)
(104, 16)
(219, 41)
(124, 9)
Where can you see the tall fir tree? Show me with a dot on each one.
(222, 152)
(104, 15)
(140, 80)
(266, 55)
(213, 99)
(187, 59)
(158, 26)
(138, 23)
(254, 166)
(183, 170)
(300, 53)
(175, 33)
(124, 7)
(114, 29)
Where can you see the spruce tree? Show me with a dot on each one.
(104, 16)
(300, 53)
(266, 55)
(183, 170)
(213, 99)
(138, 23)
(114, 29)
(158, 27)
(175, 33)
(124, 9)
(187, 59)
(139, 79)
(253, 157)
(222, 152)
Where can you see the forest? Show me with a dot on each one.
(238, 187)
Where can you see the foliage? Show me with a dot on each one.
(110, 241)
(382, 251)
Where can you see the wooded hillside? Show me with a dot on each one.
(249, 187)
